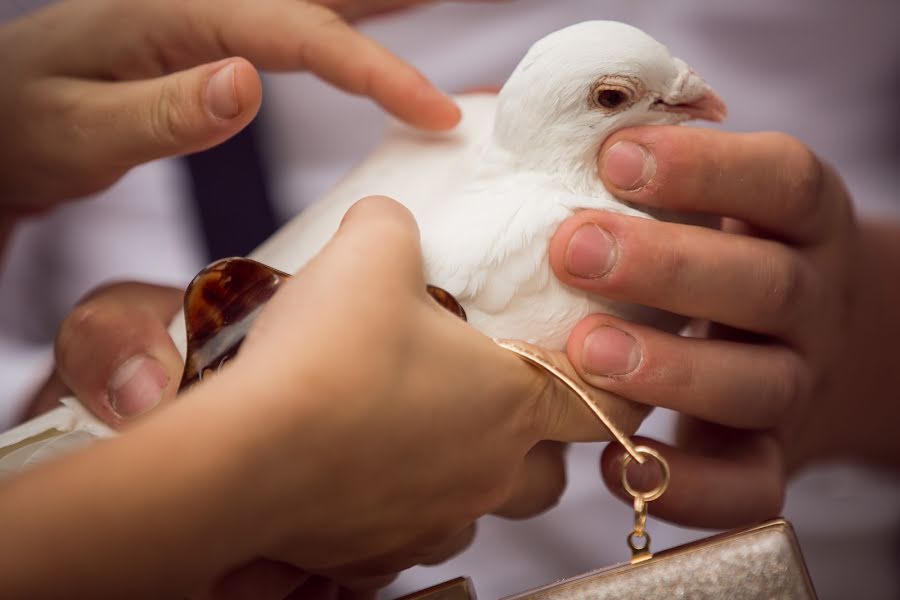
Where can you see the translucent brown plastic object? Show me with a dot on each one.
(223, 301)
(220, 305)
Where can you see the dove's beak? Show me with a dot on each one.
(691, 96)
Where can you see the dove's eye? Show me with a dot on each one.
(611, 98)
(613, 94)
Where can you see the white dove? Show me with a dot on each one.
(489, 195)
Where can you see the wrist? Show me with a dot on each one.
(269, 448)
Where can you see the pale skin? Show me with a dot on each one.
(315, 448)
(800, 364)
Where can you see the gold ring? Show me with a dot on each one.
(663, 465)
(632, 543)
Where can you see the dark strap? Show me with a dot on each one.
(231, 195)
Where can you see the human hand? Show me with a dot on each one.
(356, 330)
(114, 354)
(511, 473)
(784, 284)
(96, 87)
(358, 9)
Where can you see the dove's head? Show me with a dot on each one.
(580, 84)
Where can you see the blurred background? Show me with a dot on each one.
(825, 71)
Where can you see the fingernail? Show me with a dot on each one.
(592, 252)
(137, 386)
(628, 166)
(221, 94)
(610, 351)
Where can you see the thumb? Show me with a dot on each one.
(114, 353)
(132, 122)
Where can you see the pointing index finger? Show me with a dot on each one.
(287, 35)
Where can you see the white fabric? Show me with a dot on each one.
(822, 70)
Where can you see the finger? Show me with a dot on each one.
(450, 548)
(770, 180)
(376, 246)
(735, 479)
(305, 36)
(377, 573)
(745, 282)
(47, 397)
(364, 577)
(560, 414)
(282, 35)
(128, 123)
(539, 484)
(730, 383)
(322, 588)
(258, 580)
(367, 594)
(352, 11)
(316, 588)
(114, 353)
(376, 249)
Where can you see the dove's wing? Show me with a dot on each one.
(485, 247)
(415, 168)
(410, 166)
(489, 248)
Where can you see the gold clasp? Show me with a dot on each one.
(641, 551)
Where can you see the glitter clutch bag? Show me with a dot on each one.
(762, 562)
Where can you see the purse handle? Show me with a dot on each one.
(638, 539)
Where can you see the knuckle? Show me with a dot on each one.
(83, 318)
(544, 410)
(320, 15)
(801, 175)
(630, 280)
(491, 498)
(788, 284)
(551, 491)
(320, 22)
(682, 174)
(167, 117)
(792, 385)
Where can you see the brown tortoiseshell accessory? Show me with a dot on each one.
(223, 301)
(220, 305)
